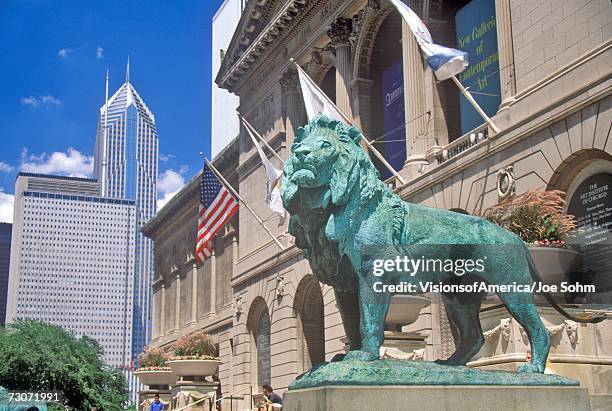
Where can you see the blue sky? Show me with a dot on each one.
(55, 54)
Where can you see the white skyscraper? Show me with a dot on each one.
(224, 122)
(125, 166)
(72, 260)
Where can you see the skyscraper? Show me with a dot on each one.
(72, 260)
(125, 166)
(5, 259)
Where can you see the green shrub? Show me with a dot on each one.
(538, 217)
(195, 345)
(153, 359)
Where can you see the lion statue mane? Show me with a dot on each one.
(341, 211)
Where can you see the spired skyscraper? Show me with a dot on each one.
(126, 156)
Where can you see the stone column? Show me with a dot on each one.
(162, 315)
(362, 92)
(340, 33)
(293, 101)
(437, 129)
(177, 317)
(234, 255)
(194, 293)
(507, 78)
(414, 102)
(213, 282)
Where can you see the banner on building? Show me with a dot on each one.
(477, 35)
(394, 114)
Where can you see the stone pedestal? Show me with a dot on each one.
(145, 398)
(185, 393)
(442, 397)
(578, 351)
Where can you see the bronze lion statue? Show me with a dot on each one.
(343, 217)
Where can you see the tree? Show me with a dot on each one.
(39, 356)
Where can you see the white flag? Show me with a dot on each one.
(444, 61)
(315, 101)
(273, 196)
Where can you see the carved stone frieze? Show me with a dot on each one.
(361, 19)
(364, 36)
(502, 329)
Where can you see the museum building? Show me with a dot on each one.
(540, 70)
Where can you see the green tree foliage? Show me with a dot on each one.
(39, 356)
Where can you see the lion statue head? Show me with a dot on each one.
(327, 168)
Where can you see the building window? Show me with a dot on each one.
(262, 341)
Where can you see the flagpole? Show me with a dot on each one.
(350, 122)
(250, 127)
(231, 189)
(466, 93)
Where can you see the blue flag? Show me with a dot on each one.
(444, 61)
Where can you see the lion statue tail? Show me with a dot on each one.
(592, 318)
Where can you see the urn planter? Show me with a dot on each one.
(193, 367)
(556, 265)
(404, 310)
(156, 378)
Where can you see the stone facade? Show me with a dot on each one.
(554, 119)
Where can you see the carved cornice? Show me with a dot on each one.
(340, 32)
(244, 51)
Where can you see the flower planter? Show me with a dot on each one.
(156, 378)
(556, 265)
(404, 310)
(193, 368)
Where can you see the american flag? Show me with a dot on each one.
(217, 206)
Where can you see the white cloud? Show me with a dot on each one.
(183, 169)
(32, 101)
(63, 53)
(6, 207)
(165, 157)
(29, 101)
(71, 163)
(6, 168)
(99, 52)
(168, 184)
(50, 100)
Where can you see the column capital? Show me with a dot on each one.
(340, 32)
(289, 80)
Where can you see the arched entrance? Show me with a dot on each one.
(308, 306)
(387, 127)
(586, 177)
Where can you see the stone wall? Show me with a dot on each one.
(551, 34)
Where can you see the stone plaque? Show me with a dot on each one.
(591, 204)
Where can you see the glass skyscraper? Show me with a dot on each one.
(126, 156)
